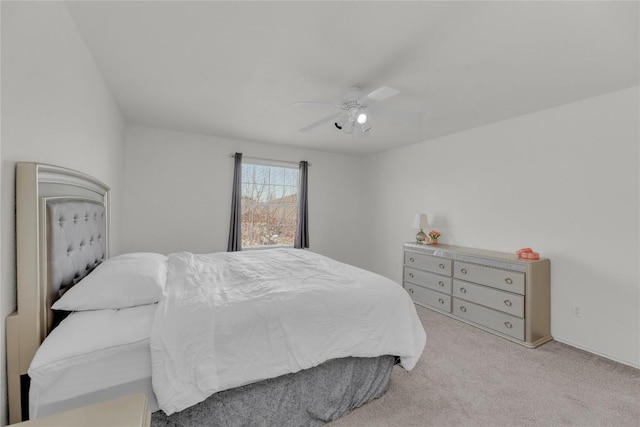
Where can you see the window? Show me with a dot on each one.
(269, 205)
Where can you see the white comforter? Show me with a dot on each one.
(230, 319)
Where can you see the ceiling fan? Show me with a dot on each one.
(357, 108)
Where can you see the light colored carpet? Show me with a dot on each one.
(468, 377)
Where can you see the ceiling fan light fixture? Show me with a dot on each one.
(362, 117)
(348, 127)
(365, 127)
(341, 122)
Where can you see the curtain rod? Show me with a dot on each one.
(267, 160)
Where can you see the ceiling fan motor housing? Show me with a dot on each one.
(352, 107)
(350, 102)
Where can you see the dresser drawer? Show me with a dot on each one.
(428, 297)
(512, 281)
(499, 300)
(428, 280)
(498, 321)
(427, 262)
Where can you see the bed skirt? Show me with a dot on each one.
(307, 398)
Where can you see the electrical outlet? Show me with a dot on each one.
(576, 310)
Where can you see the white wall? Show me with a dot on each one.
(563, 181)
(178, 194)
(56, 109)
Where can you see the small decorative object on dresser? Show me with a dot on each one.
(499, 292)
(433, 237)
(527, 253)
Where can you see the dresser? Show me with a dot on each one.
(494, 291)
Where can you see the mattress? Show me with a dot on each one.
(90, 357)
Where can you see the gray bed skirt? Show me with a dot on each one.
(307, 398)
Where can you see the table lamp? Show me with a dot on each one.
(420, 221)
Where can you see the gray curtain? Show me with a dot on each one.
(235, 225)
(302, 229)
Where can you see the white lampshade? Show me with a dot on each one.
(420, 221)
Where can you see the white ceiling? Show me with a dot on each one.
(234, 69)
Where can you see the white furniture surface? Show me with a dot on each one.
(127, 411)
(495, 291)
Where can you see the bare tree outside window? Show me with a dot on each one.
(269, 205)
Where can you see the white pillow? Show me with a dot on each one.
(123, 281)
(142, 255)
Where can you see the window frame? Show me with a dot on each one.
(268, 203)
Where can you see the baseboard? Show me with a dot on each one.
(597, 353)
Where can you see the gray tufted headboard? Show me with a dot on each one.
(62, 233)
(76, 237)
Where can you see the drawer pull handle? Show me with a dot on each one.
(463, 309)
(411, 259)
(411, 275)
(441, 301)
(463, 290)
(507, 303)
(508, 280)
(410, 290)
(441, 283)
(463, 270)
(508, 325)
(441, 266)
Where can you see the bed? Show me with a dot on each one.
(278, 337)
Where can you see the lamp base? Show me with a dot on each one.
(421, 237)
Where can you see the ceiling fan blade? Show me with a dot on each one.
(314, 104)
(319, 122)
(378, 95)
(398, 114)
